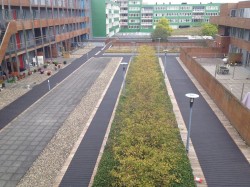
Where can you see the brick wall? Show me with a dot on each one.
(162, 44)
(204, 52)
(237, 114)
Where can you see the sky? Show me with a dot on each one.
(189, 1)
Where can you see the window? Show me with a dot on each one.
(241, 13)
(233, 13)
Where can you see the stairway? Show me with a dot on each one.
(2, 35)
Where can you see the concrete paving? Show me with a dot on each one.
(237, 81)
(26, 136)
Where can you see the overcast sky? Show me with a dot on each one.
(189, 1)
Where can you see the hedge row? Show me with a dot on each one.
(144, 147)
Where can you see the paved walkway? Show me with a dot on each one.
(222, 162)
(26, 136)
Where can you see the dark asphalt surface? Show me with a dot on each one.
(82, 165)
(11, 111)
(222, 162)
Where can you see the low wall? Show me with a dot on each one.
(237, 113)
(205, 52)
(161, 44)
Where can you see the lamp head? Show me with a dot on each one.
(191, 96)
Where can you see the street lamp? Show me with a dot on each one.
(165, 62)
(158, 46)
(191, 96)
(124, 74)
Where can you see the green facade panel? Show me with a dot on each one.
(98, 10)
(105, 18)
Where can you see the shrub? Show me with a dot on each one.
(144, 147)
(48, 73)
(56, 63)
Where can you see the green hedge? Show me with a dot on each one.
(144, 147)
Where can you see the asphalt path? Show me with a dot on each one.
(82, 165)
(222, 162)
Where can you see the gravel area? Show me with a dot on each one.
(16, 90)
(49, 164)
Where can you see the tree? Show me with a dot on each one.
(162, 30)
(209, 29)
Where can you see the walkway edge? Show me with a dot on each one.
(74, 149)
(197, 170)
(244, 148)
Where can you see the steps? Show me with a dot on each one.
(2, 35)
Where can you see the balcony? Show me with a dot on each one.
(68, 35)
(123, 23)
(147, 17)
(124, 11)
(124, 17)
(147, 11)
(198, 10)
(17, 2)
(27, 24)
(243, 23)
(146, 24)
(124, 5)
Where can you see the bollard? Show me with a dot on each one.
(49, 84)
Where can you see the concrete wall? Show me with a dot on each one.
(237, 114)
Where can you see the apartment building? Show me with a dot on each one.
(130, 15)
(39, 28)
(105, 16)
(234, 29)
(138, 17)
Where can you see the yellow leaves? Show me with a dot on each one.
(144, 148)
(148, 147)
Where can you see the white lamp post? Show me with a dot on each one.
(165, 62)
(158, 46)
(191, 96)
(124, 73)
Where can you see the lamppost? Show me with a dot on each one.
(165, 62)
(158, 46)
(124, 74)
(191, 97)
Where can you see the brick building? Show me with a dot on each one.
(234, 29)
(44, 28)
